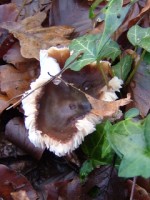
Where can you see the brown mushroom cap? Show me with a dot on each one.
(60, 106)
(58, 116)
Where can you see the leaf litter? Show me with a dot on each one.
(23, 68)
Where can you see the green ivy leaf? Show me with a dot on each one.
(97, 149)
(139, 36)
(87, 45)
(110, 51)
(122, 69)
(133, 112)
(115, 14)
(131, 141)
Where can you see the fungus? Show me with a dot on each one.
(58, 115)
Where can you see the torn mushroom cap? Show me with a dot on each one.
(57, 116)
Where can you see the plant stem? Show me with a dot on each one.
(102, 72)
(133, 187)
(135, 68)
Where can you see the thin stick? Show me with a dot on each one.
(22, 6)
(133, 188)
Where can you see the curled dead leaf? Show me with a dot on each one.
(33, 37)
(12, 182)
(16, 133)
(15, 81)
(106, 109)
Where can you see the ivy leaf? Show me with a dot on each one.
(110, 51)
(131, 141)
(87, 46)
(115, 14)
(122, 68)
(133, 112)
(139, 36)
(98, 150)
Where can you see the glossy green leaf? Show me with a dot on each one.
(131, 141)
(97, 149)
(87, 167)
(133, 112)
(86, 45)
(139, 36)
(110, 51)
(122, 69)
(115, 14)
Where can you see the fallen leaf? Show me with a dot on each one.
(139, 87)
(20, 195)
(11, 182)
(139, 192)
(106, 109)
(31, 7)
(15, 81)
(8, 12)
(16, 133)
(78, 12)
(102, 184)
(144, 10)
(33, 37)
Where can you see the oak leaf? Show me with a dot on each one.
(33, 37)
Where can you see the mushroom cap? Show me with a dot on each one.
(58, 116)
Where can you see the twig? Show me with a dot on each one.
(133, 188)
(22, 6)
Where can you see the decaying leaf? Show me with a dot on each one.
(11, 182)
(8, 12)
(15, 81)
(16, 133)
(140, 89)
(31, 7)
(33, 37)
(106, 109)
(78, 12)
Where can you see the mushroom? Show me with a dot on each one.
(58, 115)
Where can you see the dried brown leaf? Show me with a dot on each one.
(8, 12)
(106, 109)
(15, 81)
(31, 7)
(33, 37)
(16, 133)
(139, 192)
(141, 90)
(77, 15)
(144, 10)
(11, 182)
